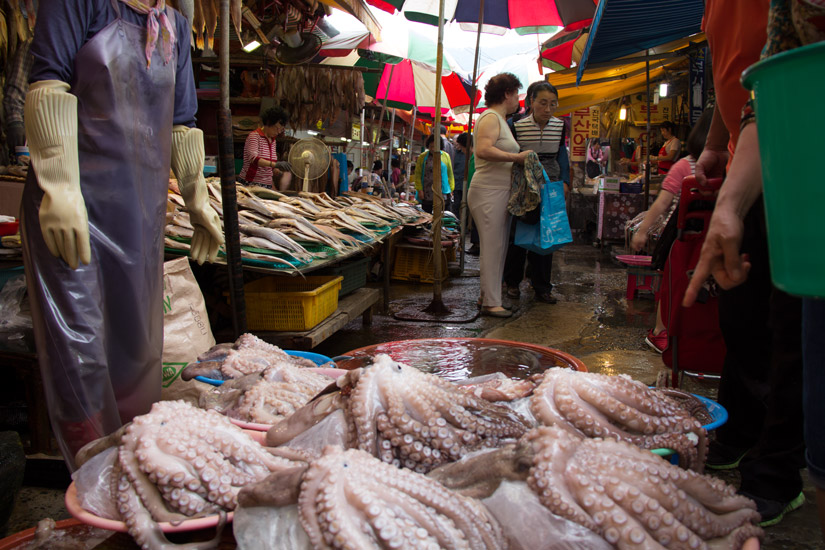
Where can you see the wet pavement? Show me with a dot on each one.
(592, 321)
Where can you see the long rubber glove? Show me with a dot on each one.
(51, 125)
(187, 164)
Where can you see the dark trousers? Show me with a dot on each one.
(761, 384)
(427, 206)
(538, 267)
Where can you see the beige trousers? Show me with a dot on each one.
(489, 209)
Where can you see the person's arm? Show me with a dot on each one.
(487, 134)
(720, 255)
(671, 153)
(714, 158)
(419, 167)
(659, 207)
(186, 98)
(450, 175)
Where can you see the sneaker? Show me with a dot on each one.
(773, 511)
(546, 297)
(724, 457)
(513, 292)
(657, 342)
(474, 250)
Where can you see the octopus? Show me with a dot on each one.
(498, 387)
(597, 405)
(178, 462)
(348, 499)
(630, 497)
(406, 417)
(267, 397)
(247, 355)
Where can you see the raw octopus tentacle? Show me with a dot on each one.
(596, 405)
(634, 498)
(349, 499)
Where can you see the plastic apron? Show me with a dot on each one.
(99, 328)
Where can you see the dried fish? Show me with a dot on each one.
(178, 231)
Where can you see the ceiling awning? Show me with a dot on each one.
(622, 76)
(623, 27)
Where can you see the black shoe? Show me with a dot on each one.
(724, 457)
(773, 511)
(546, 297)
(474, 250)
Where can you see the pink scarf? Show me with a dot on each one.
(156, 23)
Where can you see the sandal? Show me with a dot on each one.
(503, 313)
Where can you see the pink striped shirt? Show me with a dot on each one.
(258, 147)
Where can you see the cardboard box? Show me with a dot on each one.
(609, 184)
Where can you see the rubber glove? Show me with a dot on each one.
(50, 116)
(187, 164)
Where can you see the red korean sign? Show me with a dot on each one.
(584, 125)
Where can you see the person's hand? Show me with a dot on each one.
(720, 255)
(65, 226)
(710, 164)
(639, 241)
(208, 236)
(624, 161)
(521, 157)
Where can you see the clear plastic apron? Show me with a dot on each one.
(99, 328)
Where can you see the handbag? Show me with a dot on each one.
(553, 230)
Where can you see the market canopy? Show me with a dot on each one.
(624, 27)
(623, 77)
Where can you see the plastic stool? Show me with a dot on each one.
(639, 278)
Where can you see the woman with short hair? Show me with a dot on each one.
(495, 150)
(259, 154)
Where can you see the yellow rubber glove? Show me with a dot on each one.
(187, 164)
(51, 125)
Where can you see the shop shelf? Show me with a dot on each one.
(291, 303)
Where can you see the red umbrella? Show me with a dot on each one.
(557, 52)
(525, 16)
(413, 84)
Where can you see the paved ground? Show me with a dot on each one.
(592, 321)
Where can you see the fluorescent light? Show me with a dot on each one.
(251, 46)
(663, 89)
(312, 132)
(623, 113)
(344, 139)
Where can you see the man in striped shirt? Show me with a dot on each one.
(543, 133)
(260, 157)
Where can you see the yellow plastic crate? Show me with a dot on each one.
(416, 264)
(290, 303)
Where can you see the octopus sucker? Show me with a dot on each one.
(390, 408)
(157, 476)
(596, 405)
(350, 499)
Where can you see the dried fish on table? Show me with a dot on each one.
(177, 231)
(340, 219)
(308, 231)
(278, 239)
(304, 204)
(176, 245)
(253, 217)
(251, 203)
(321, 199)
(265, 192)
(362, 216)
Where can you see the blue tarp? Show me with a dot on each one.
(625, 27)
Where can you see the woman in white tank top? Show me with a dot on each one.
(495, 152)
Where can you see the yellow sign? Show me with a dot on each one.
(356, 132)
(658, 113)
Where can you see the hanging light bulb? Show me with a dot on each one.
(623, 113)
(663, 89)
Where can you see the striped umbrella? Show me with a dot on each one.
(559, 51)
(525, 16)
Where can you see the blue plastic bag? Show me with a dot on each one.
(553, 230)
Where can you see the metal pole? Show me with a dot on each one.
(437, 304)
(226, 165)
(462, 211)
(389, 155)
(409, 152)
(363, 140)
(647, 160)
